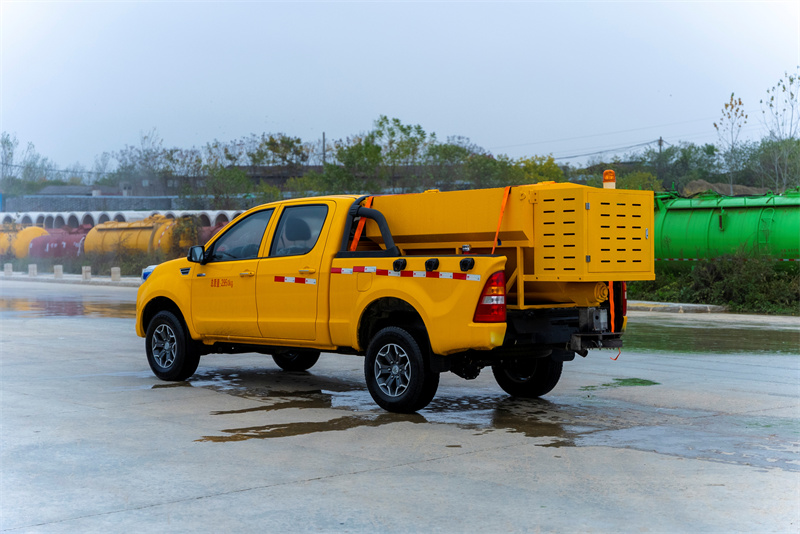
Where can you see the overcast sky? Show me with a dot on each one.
(517, 78)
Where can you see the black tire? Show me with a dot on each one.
(527, 377)
(396, 372)
(170, 351)
(296, 360)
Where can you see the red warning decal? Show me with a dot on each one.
(296, 280)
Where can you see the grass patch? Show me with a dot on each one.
(743, 284)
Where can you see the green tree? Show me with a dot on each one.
(360, 166)
(541, 169)
(226, 187)
(445, 163)
(680, 164)
(777, 163)
(485, 171)
(403, 150)
(311, 184)
(639, 180)
(265, 193)
(281, 150)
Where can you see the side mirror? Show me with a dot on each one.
(196, 255)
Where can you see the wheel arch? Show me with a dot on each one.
(160, 304)
(391, 311)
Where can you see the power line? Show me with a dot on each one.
(746, 129)
(602, 134)
(618, 149)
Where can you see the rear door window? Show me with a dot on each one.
(298, 230)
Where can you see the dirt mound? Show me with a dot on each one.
(700, 186)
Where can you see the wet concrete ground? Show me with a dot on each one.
(694, 427)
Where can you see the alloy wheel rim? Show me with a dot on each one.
(392, 370)
(164, 345)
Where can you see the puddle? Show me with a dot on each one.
(288, 391)
(559, 421)
(481, 413)
(73, 306)
(300, 428)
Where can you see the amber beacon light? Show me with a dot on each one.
(609, 179)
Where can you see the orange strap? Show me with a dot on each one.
(611, 301)
(360, 228)
(500, 220)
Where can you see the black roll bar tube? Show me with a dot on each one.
(357, 210)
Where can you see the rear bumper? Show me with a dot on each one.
(573, 329)
(579, 342)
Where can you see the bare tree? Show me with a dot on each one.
(8, 147)
(781, 109)
(779, 156)
(729, 128)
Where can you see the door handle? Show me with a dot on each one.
(307, 271)
(247, 273)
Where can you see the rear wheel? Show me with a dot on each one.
(296, 360)
(396, 372)
(170, 351)
(527, 377)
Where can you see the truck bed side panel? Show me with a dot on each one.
(445, 299)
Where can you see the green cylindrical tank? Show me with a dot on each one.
(713, 225)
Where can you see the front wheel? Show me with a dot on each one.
(396, 372)
(527, 377)
(170, 351)
(296, 360)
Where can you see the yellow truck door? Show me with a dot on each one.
(288, 279)
(224, 289)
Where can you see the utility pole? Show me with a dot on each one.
(658, 167)
(323, 149)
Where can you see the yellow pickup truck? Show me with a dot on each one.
(519, 278)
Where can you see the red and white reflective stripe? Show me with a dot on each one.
(296, 280)
(408, 274)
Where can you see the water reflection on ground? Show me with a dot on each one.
(559, 421)
(724, 333)
(66, 306)
(554, 423)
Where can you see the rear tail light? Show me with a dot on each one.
(492, 304)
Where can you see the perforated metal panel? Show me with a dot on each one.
(560, 241)
(620, 233)
(592, 234)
